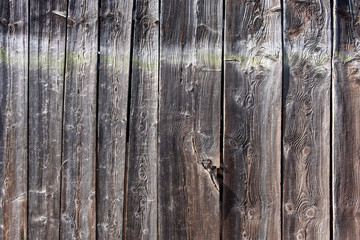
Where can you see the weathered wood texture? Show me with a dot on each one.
(189, 127)
(252, 120)
(79, 125)
(46, 77)
(346, 122)
(306, 118)
(115, 35)
(13, 118)
(111, 126)
(141, 208)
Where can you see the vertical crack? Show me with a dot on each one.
(282, 127)
(62, 116)
(28, 120)
(332, 29)
(97, 118)
(158, 121)
(128, 119)
(220, 170)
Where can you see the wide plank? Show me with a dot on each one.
(346, 122)
(79, 131)
(189, 119)
(306, 119)
(252, 120)
(46, 82)
(114, 67)
(13, 118)
(141, 209)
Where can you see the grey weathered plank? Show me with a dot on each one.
(306, 129)
(79, 155)
(346, 112)
(115, 35)
(141, 209)
(252, 120)
(13, 118)
(189, 119)
(46, 78)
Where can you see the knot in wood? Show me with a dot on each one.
(289, 207)
(310, 213)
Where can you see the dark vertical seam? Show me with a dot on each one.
(331, 226)
(222, 119)
(63, 116)
(158, 123)
(128, 120)
(97, 119)
(282, 121)
(28, 123)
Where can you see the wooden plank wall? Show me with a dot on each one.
(189, 119)
(252, 120)
(346, 110)
(14, 79)
(306, 119)
(168, 119)
(115, 21)
(46, 71)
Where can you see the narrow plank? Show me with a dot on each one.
(46, 78)
(252, 120)
(306, 112)
(346, 123)
(141, 209)
(13, 118)
(189, 119)
(79, 155)
(115, 36)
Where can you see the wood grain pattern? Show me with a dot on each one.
(306, 118)
(189, 124)
(346, 123)
(115, 36)
(13, 118)
(252, 121)
(141, 209)
(46, 78)
(79, 155)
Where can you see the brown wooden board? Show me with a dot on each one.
(79, 124)
(189, 119)
(346, 121)
(13, 118)
(46, 78)
(114, 66)
(252, 120)
(141, 209)
(306, 119)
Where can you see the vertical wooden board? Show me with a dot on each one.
(141, 209)
(46, 77)
(346, 123)
(252, 120)
(189, 119)
(78, 166)
(115, 35)
(306, 119)
(13, 118)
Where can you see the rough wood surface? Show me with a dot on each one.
(252, 121)
(115, 35)
(189, 127)
(346, 123)
(13, 118)
(141, 209)
(46, 78)
(306, 119)
(79, 156)
(111, 126)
